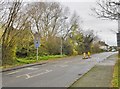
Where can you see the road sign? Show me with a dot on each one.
(37, 44)
(118, 39)
(37, 40)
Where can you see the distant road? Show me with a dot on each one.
(58, 73)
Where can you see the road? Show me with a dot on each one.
(58, 73)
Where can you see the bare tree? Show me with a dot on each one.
(106, 10)
(13, 22)
(47, 18)
(88, 39)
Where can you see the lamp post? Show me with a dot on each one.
(61, 51)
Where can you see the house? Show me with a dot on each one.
(103, 45)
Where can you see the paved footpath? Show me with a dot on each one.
(99, 76)
(58, 73)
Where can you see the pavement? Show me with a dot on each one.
(99, 76)
(58, 73)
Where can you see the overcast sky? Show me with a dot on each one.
(83, 8)
(101, 27)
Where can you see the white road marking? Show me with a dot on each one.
(68, 62)
(28, 76)
(31, 68)
(63, 65)
(12, 72)
(47, 71)
(21, 70)
(60, 65)
(106, 64)
(28, 73)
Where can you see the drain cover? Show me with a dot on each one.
(79, 74)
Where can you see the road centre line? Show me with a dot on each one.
(63, 65)
(60, 65)
(68, 62)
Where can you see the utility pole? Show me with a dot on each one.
(61, 43)
(119, 17)
(118, 34)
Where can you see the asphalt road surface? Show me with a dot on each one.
(58, 73)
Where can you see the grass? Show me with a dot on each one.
(116, 75)
(29, 60)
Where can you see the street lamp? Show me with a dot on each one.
(61, 51)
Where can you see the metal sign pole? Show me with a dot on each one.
(36, 43)
(37, 53)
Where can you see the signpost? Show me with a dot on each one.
(37, 42)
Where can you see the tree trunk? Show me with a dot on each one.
(8, 55)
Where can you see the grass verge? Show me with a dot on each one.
(116, 75)
(30, 60)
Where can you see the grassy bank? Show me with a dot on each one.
(29, 60)
(116, 75)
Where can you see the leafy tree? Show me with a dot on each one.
(67, 48)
